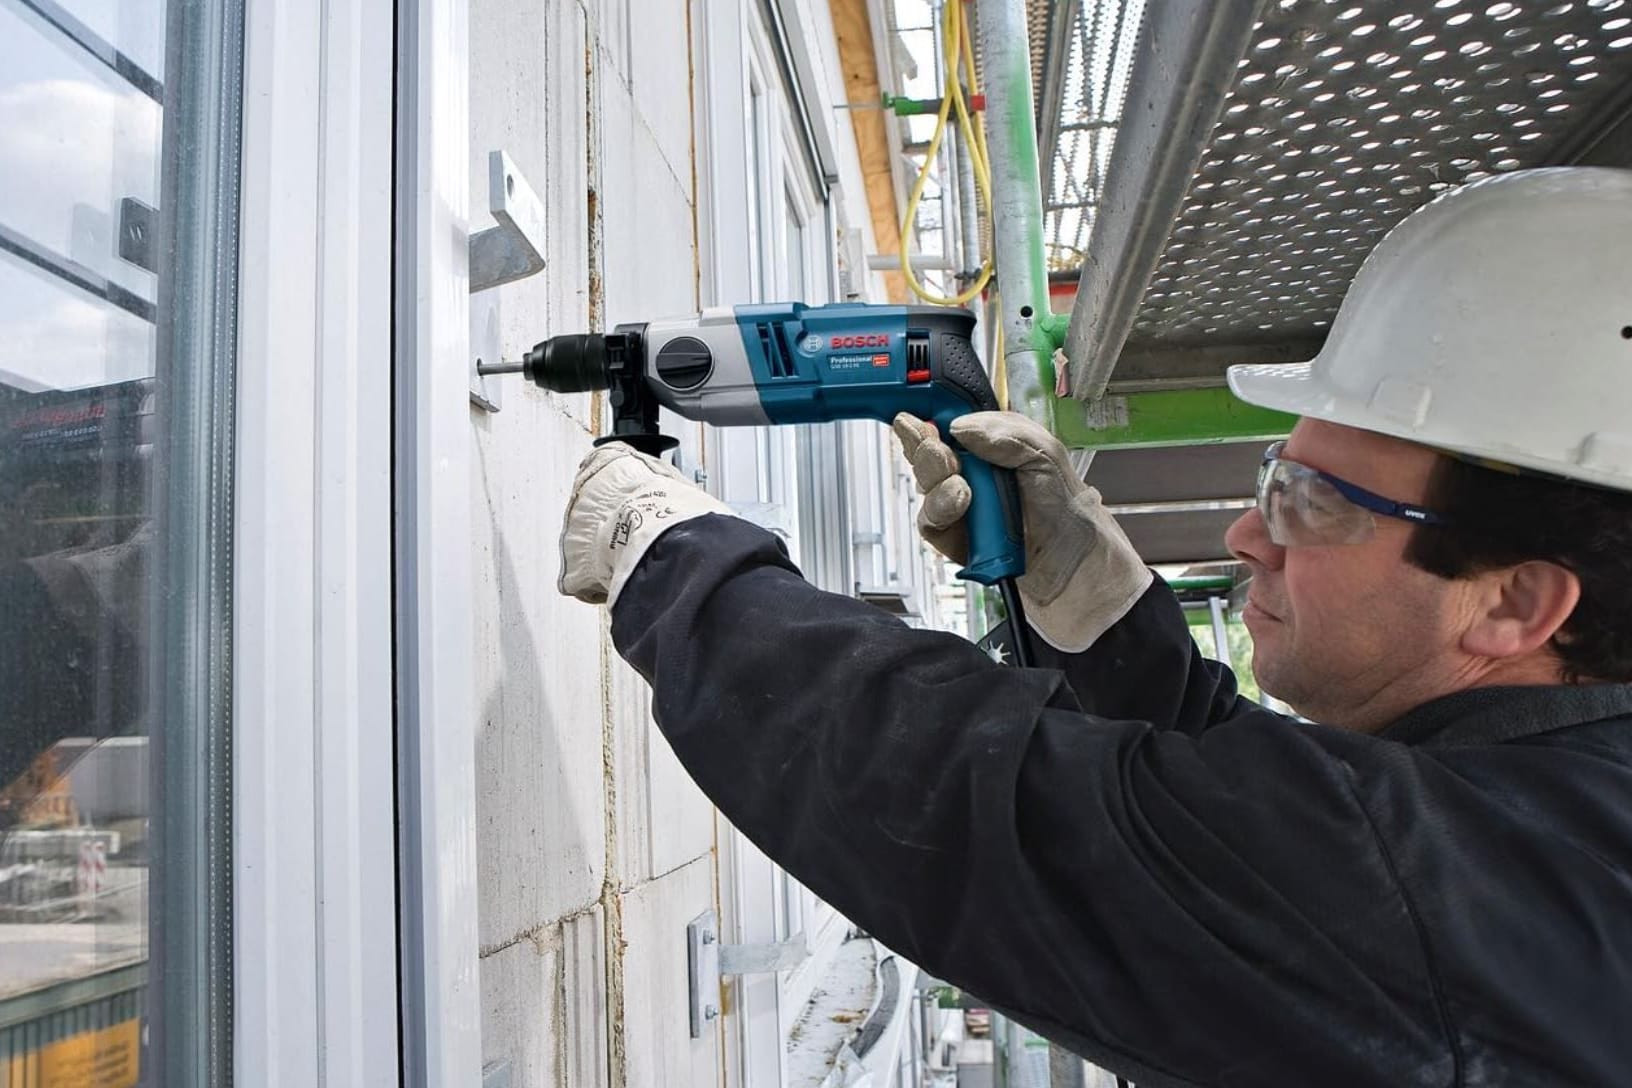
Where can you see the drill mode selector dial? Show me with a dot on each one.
(684, 363)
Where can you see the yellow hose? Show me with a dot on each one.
(955, 27)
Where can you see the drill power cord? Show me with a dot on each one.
(1019, 634)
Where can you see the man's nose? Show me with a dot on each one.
(1248, 540)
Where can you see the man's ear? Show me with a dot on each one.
(1520, 608)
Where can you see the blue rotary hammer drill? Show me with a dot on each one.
(747, 366)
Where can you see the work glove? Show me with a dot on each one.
(622, 501)
(1082, 575)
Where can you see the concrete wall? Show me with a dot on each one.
(595, 849)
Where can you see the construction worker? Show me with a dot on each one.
(1429, 885)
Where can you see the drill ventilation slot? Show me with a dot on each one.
(777, 354)
(918, 357)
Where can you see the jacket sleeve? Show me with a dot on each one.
(1147, 666)
(1163, 899)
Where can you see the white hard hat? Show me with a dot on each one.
(1494, 322)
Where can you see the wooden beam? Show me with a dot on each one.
(874, 148)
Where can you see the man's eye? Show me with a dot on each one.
(1323, 498)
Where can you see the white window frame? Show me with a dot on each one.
(318, 993)
(315, 990)
(436, 738)
(760, 902)
(757, 891)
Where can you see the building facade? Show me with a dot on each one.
(308, 775)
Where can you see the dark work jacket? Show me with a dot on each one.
(1124, 855)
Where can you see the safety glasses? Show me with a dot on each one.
(1302, 505)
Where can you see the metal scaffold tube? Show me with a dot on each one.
(1030, 332)
(1017, 206)
(969, 248)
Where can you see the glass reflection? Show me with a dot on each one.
(79, 143)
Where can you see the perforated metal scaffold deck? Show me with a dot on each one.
(1263, 149)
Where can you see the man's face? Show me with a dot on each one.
(1352, 634)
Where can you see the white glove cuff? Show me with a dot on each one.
(1075, 619)
(644, 517)
(622, 502)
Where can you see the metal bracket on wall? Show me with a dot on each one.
(763, 959)
(514, 249)
(707, 961)
(511, 251)
(137, 224)
(703, 970)
(485, 345)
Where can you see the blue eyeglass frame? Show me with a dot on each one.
(1366, 500)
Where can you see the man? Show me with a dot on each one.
(1432, 886)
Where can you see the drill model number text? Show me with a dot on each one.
(857, 362)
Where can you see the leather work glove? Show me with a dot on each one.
(1082, 575)
(622, 501)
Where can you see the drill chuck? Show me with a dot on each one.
(588, 362)
(572, 363)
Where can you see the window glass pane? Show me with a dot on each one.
(81, 143)
(77, 141)
(55, 336)
(134, 29)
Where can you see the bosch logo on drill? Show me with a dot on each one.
(861, 340)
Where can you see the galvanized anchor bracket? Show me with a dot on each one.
(763, 959)
(707, 961)
(514, 249)
(703, 970)
(503, 254)
(138, 223)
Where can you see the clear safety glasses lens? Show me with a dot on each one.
(1300, 507)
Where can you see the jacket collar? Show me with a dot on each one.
(1496, 714)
